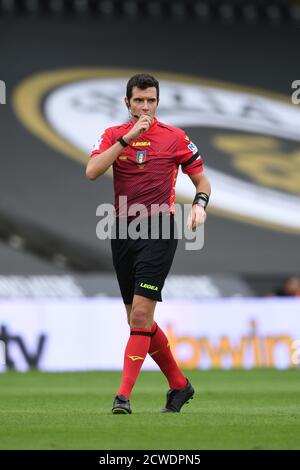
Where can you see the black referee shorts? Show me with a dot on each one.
(142, 265)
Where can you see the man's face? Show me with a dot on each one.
(143, 102)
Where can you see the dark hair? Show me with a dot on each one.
(142, 81)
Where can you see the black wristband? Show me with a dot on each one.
(122, 142)
(201, 199)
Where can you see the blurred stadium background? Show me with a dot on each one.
(226, 70)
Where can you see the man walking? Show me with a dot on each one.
(146, 155)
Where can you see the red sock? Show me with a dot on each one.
(135, 354)
(161, 353)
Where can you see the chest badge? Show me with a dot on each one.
(141, 156)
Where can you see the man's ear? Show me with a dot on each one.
(126, 102)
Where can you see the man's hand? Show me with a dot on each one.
(142, 125)
(197, 216)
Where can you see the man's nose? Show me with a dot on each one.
(145, 105)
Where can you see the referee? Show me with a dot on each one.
(146, 154)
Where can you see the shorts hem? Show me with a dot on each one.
(149, 294)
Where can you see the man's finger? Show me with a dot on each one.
(189, 221)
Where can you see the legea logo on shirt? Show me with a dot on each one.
(141, 144)
(249, 139)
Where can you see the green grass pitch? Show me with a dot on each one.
(255, 409)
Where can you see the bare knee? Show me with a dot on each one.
(140, 317)
(128, 312)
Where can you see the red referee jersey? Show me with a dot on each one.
(146, 170)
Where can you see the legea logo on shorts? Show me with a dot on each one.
(249, 139)
(148, 286)
(2, 92)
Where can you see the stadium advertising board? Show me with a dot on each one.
(75, 334)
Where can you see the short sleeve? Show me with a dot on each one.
(188, 155)
(102, 144)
